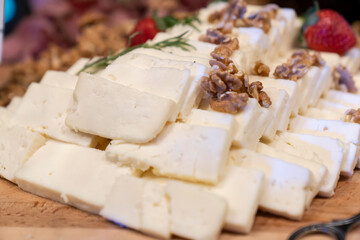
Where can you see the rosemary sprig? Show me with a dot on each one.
(163, 23)
(179, 41)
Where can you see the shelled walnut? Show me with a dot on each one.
(352, 115)
(343, 79)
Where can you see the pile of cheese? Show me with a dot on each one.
(136, 144)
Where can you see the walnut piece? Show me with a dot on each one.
(214, 36)
(261, 69)
(255, 91)
(229, 102)
(259, 20)
(352, 115)
(343, 79)
(282, 71)
(222, 54)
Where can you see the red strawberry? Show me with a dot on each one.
(147, 30)
(329, 32)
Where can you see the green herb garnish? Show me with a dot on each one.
(179, 41)
(163, 23)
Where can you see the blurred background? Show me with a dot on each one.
(52, 34)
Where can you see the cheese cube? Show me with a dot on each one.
(331, 59)
(5, 116)
(111, 110)
(43, 109)
(78, 66)
(14, 104)
(324, 150)
(194, 94)
(317, 170)
(309, 81)
(332, 106)
(322, 85)
(347, 99)
(17, 144)
(192, 152)
(351, 59)
(78, 176)
(59, 79)
(286, 184)
(163, 82)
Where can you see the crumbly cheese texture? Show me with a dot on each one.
(59, 79)
(170, 83)
(180, 151)
(325, 150)
(17, 144)
(197, 70)
(285, 192)
(162, 209)
(316, 169)
(44, 108)
(71, 174)
(111, 110)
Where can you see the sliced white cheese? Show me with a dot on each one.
(78, 66)
(17, 144)
(111, 110)
(332, 106)
(322, 84)
(345, 132)
(164, 82)
(286, 184)
(5, 116)
(325, 150)
(309, 80)
(14, 103)
(163, 208)
(317, 170)
(347, 99)
(192, 152)
(197, 70)
(44, 109)
(59, 79)
(318, 113)
(78, 176)
(351, 59)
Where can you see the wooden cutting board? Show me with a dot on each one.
(25, 216)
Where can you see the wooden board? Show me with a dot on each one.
(25, 216)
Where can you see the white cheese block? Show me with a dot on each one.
(331, 59)
(14, 103)
(160, 209)
(279, 99)
(111, 110)
(351, 59)
(347, 99)
(44, 109)
(309, 81)
(5, 116)
(318, 113)
(213, 119)
(78, 66)
(200, 216)
(324, 150)
(356, 78)
(322, 84)
(317, 170)
(197, 70)
(192, 152)
(345, 132)
(164, 82)
(78, 176)
(292, 89)
(17, 144)
(59, 79)
(242, 189)
(332, 106)
(286, 184)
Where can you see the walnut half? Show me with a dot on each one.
(352, 115)
(261, 69)
(229, 102)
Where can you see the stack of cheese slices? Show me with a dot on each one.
(134, 144)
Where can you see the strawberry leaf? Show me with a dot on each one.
(311, 16)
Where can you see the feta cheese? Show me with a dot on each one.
(43, 109)
(318, 113)
(191, 152)
(317, 170)
(332, 106)
(163, 82)
(78, 66)
(111, 110)
(5, 116)
(59, 79)
(286, 184)
(17, 144)
(71, 174)
(322, 85)
(324, 150)
(309, 81)
(347, 99)
(351, 59)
